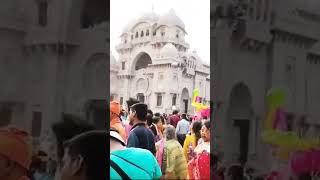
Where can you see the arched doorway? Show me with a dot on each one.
(95, 79)
(94, 13)
(185, 100)
(142, 61)
(239, 120)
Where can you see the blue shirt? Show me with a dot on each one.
(141, 137)
(149, 168)
(182, 127)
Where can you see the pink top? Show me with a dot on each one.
(127, 127)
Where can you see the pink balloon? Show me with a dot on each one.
(305, 162)
(279, 122)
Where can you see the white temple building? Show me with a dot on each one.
(155, 65)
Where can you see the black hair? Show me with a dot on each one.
(141, 111)
(131, 102)
(184, 116)
(156, 119)
(196, 128)
(207, 124)
(304, 176)
(175, 112)
(157, 114)
(149, 119)
(259, 178)
(92, 147)
(214, 160)
(236, 172)
(149, 111)
(67, 128)
(162, 119)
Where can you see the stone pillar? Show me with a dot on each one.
(49, 100)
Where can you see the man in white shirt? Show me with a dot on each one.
(182, 129)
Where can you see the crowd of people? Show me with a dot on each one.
(158, 146)
(143, 145)
(80, 152)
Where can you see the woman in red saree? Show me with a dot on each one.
(199, 166)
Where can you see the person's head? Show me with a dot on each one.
(138, 112)
(157, 114)
(175, 112)
(235, 172)
(67, 128)
(123, 112)
(205, 131)
(85, 157)
(170, 132)
(184, 116)
(131, 102)
(149, 111)
(115, 110)
(196, 129)
(149, 119)
(157, 120)
(162, 120)
(15, 154)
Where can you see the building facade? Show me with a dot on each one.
(53, 60)
(257, 45)
(155, 65)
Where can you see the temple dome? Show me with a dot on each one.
(171, 19)
(169, 51)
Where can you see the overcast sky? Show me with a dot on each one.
(194, 14)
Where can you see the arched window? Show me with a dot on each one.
(154, 33)
(163, 33)
(137, 34)
(131, 36)
(147, 33)
(142, 34)
(125, 41)
(42, 13)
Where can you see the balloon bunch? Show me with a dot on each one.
(288, 142)
(202, 110)
(196, 101)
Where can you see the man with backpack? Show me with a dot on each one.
(131, 163)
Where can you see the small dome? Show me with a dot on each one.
(195, 55)
(169, 51)
(148, 17)
(171, 19)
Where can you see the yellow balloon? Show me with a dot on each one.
(275, 97)
(289, 140)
